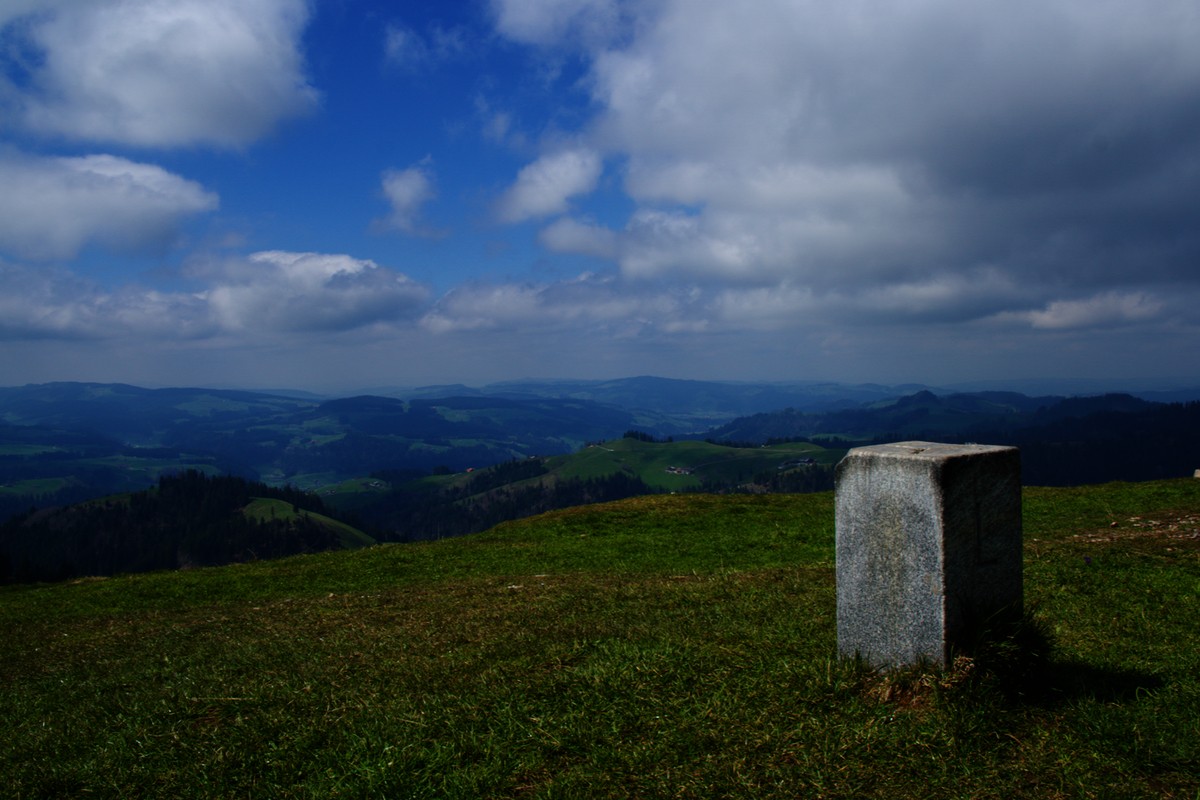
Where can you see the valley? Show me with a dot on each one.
(426, 466)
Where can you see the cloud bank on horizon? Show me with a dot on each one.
(286, 193)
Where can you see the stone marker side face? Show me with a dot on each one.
(982, 547)
(928, 547)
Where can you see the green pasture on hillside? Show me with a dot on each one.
(703, 461)
(35, 486)
(265, 509)
(665, 646)
(16, 449)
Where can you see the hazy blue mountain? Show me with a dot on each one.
(926, 415)
(63, 442)
(135, 415)
(1063, 441)
(702, 403)
(1163, 390)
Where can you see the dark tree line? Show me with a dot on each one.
(503, 474)
(362, 454)
(189, 519)
(1070, 442)
(642, 436)
(803, 480)
(1160, 442)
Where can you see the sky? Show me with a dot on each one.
(340, 194)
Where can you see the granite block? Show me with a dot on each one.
(928, 548)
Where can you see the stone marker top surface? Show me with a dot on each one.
(931, 451)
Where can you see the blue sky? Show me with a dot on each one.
(343, 194)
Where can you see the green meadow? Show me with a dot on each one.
(264, 509)
(697, 461)
(676, 646)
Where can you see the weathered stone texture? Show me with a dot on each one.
(928, 548)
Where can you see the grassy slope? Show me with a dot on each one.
(649, 461)
(266, 508)
(659, 647)
(645, 460)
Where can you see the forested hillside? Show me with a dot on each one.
(1063, 441)
(427, 467)
(187, 520)
(60, 443)
(398, 505)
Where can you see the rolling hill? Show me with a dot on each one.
(65, 442)
(62, 443)
(1063, 441)
(664, 646)
(407, 506)
(188, 520)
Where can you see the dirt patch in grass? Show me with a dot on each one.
(1167, 527)
(916, 688)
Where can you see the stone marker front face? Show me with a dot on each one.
(928, 548)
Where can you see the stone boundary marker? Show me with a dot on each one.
(928, 548)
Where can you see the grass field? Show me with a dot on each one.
(702, 460)
(694, 462)
(264, 509)
(35, 486)
(665, 646)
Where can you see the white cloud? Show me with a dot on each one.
(936, 299)
(407, 191)
(1103, 310)
(763, 308)
(551, 22)
(588, 302)
(608, 307)
(162, 73)
(15, 9)
(657, 243)
(408, 49)
(266, 293)
(545, 186)
(405, 47)
(52, 207)
(479, 307)
(889, 151)
(56, 304)
(945, 297)
(567, 235)
(283, 291)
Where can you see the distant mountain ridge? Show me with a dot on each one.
(64, 442)
(924, 414)
(1063, 441)
(745, 397)
(689, 398)
(132, 414)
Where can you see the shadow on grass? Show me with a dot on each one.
(1012, 661)
(1018, 659)
(1072, 680)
